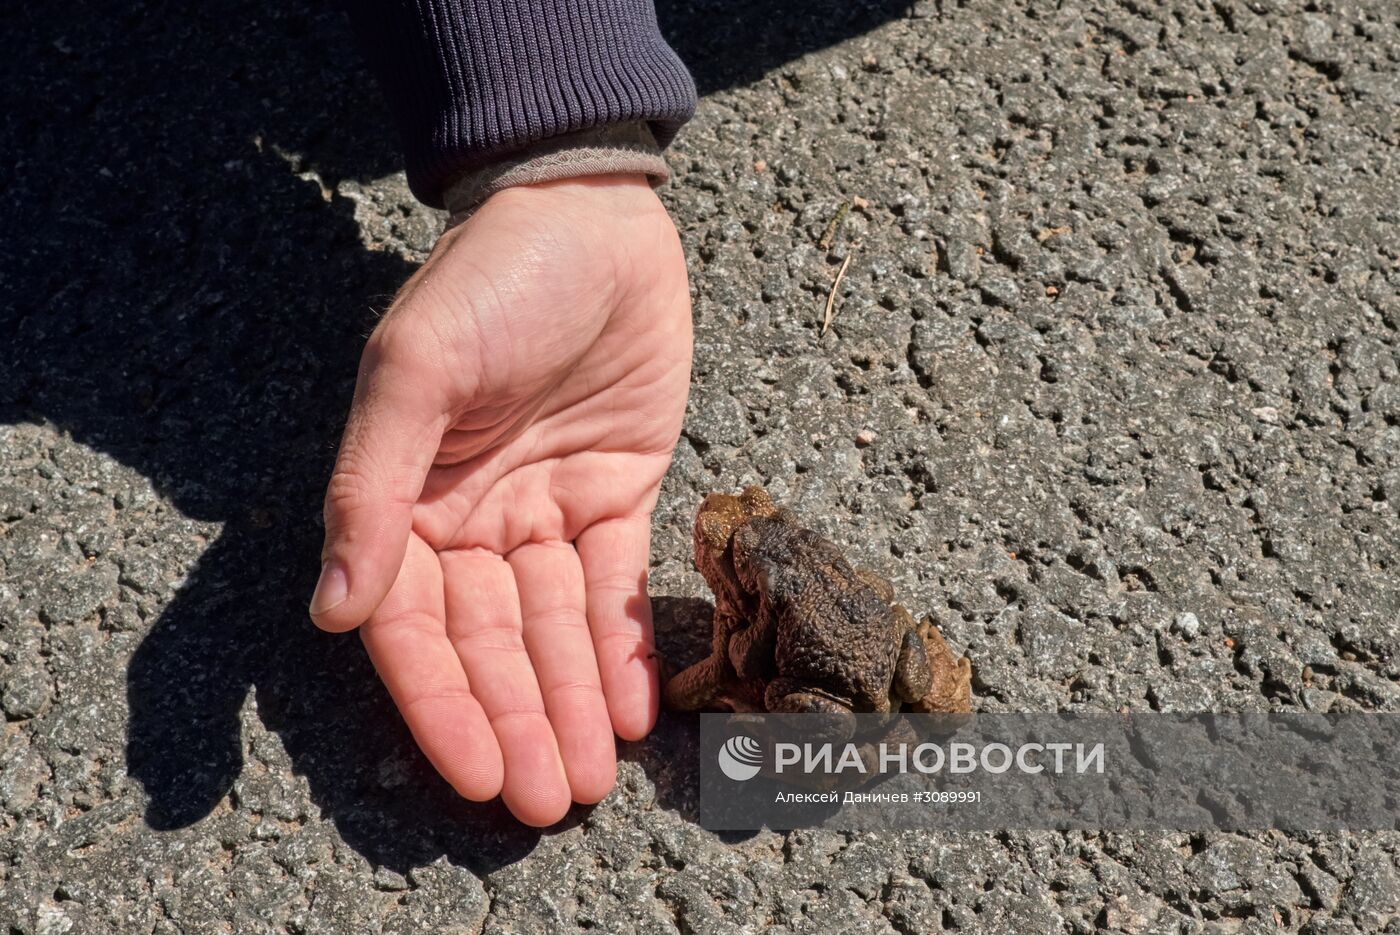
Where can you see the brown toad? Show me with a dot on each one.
(797, 629)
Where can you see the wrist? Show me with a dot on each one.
(615, 149)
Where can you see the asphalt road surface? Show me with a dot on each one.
(1118, 339)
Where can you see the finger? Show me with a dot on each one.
(390, 440)
(483, 623)
(614, 557)
(549, 579)
(407, 640)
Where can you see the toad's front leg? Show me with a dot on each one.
(952, 676)
(752, 647)
(913, 674)
(710, 679)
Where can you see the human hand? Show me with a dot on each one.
(488, 519)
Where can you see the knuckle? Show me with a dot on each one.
(346, 491)
(575, 693)
(393, 349)
(393, 355)
(499, 639)
(408, 364)
(622, 643)
(434, 700)
(617, 584)
(556, 620)
(408, 623)
(392, 341)
(522, 712)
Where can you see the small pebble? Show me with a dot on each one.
(760, 166)
(26, 691)
(1188, 625)
(865, 437)
(389, 881)
(1267, 414)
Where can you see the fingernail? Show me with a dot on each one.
(333, 588)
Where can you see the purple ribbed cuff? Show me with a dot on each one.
(473, 81)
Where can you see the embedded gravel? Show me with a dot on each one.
(1111, 389)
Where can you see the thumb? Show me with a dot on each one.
(391, 437)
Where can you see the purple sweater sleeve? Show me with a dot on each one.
(471, 81)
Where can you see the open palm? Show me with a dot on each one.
(488, 520)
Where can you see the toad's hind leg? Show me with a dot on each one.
(704, 684)
(698, 686)
(913, 677)
(837, 724)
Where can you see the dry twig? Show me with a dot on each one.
(829, 235)
(831, 296)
